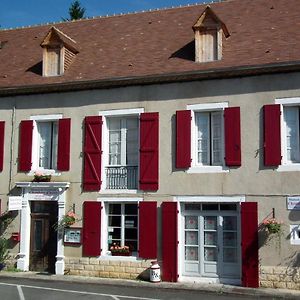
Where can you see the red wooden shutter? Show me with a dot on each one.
(148, 229)
(2, 125)
(232, 136)
(92, 153)
(63, 147)
(272, 140)
(149, 151)
(25, 147)
(169, 241)
(183, 138)
(91, 244)
(249, 244)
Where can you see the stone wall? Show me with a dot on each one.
(107, 268)
(280, 277)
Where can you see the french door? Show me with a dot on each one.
(211, 241)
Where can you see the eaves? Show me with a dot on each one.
(221, 73)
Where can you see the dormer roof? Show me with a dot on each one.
(209, 19)
(56, 37)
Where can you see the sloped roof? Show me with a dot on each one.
(156, 44)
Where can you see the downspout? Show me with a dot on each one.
(13, 115)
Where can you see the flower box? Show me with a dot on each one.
(116, 253)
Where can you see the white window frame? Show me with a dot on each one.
(106, 254)
(285, 165)
(206, 107)
(35, 137)
(105, 141)
(181, 200)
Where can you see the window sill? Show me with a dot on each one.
(44, 172)
(288, 168)
(118, 191)
(118, 258)
(208, 169)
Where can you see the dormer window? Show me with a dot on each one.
(58, 52)
(209, 30)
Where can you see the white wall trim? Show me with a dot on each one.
(57, 192)
(119, 112)
(207, 169)
(215, 199)
(288, 101)
(207, 106)
(46, 117)
(119, 199)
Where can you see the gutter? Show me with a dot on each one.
(221, 73)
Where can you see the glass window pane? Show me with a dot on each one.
(54, 145)
(191, 222)
(114, 233)
(210, 206)
(230, 255)
(131, 222)
(114, 209)
(210, 254)
(45, 131)
(131, 209)
(114, 221)
(210, 223)
(230, 223)
(191, 253)
(192, 206)
(203, 136)
(191, 238)
(130, 234)
(210, 238)
(228, 207)
(230, 239)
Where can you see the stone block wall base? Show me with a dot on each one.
(280, 277)
(107, 268)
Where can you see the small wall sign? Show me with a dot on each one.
(72, 236)
(293, 203)
(14, 203)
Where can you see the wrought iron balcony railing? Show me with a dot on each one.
(121, 178)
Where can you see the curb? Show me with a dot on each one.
(211, 288)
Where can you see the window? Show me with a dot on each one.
(53, 62)
(123, 225)
(291, 123)
(122, 169)
(209, 138)
(282, 134)
(47, 144)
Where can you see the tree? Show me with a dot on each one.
(75, 11)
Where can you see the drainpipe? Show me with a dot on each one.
(13, 115)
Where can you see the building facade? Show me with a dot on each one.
(177, 147)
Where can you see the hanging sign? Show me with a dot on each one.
(293, 203)
(14, 203)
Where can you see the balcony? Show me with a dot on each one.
(121, 178)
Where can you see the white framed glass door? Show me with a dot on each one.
(211, 241)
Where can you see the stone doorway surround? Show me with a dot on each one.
(39, 191)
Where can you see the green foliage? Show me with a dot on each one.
(75, 11)
(3, 250)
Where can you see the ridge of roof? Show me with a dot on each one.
(115, 15)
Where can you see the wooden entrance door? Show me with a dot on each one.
(43, 241)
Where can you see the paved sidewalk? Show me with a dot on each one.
(212, 288)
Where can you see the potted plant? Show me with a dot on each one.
(117, 250)
(272, 225)
(3, 252)
(66, 221)
(40, 177)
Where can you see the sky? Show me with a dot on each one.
(18, 13)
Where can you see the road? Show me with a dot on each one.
(34, 289)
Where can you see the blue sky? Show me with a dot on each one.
(17, 13)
